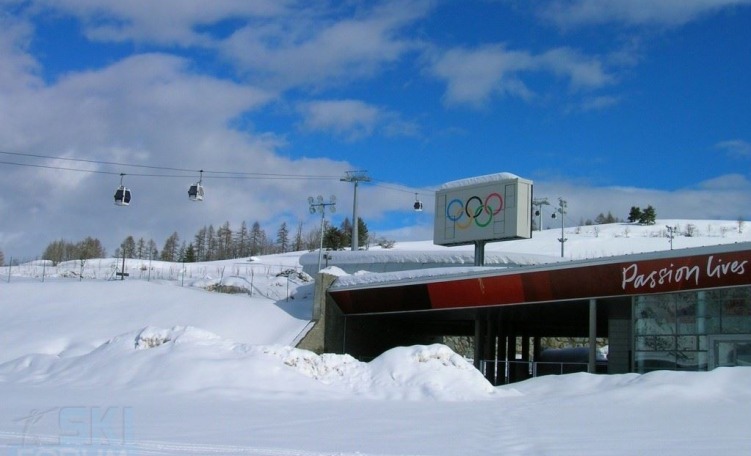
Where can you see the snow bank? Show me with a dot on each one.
(191, 360)
(479, 180)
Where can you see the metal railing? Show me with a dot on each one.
(504, 372)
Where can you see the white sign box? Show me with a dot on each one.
(496, 207)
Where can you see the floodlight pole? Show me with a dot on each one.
(671, 234)
(356, 177)
(561, 209)
(319, 205)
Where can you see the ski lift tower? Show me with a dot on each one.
(355, 177)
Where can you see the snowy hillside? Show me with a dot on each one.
(174, 368)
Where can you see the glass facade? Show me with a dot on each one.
(696, 330)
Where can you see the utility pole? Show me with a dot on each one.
(318, 205)
(356, 177)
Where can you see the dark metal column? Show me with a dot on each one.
(592, 336)
(479, 342)
(490, 354)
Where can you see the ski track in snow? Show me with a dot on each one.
(47, 444)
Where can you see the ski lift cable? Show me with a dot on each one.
(404, 189)
(219, 174)
(179, 172)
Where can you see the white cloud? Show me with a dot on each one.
(283, 43)
(597, 103)
(302, 50)
(583, 72)
(473, 76)
(144, 110)
(352, 120)
(722, 197)
(736, 148)
(639, 12)
(166, 22)
(349, 119)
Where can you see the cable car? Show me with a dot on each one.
(418, 204)
(195, 192)
(122, 194)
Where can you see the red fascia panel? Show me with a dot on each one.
(566, 283)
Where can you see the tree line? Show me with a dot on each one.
(646, 216)
(211, 244)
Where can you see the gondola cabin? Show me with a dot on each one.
(122, 196)
(418, 204)
(195, 192)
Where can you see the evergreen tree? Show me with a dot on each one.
(649, 216)
(282, 237)
(2, 258)
(634, 214)
(190, 254)
(332, 238)
(362, 232)
(181, 252)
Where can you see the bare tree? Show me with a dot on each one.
(171, 247)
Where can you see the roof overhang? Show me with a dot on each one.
(455, 288)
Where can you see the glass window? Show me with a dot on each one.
(687, 343)
(672, 331)
(650, 361)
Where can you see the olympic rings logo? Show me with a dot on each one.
(475, 209)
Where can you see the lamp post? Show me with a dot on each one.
(319, 205)
(356, 177)
(561, 209)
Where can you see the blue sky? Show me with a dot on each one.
(608, 104)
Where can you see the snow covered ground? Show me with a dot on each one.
(156, 364)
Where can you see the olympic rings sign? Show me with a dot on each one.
(475, 209)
